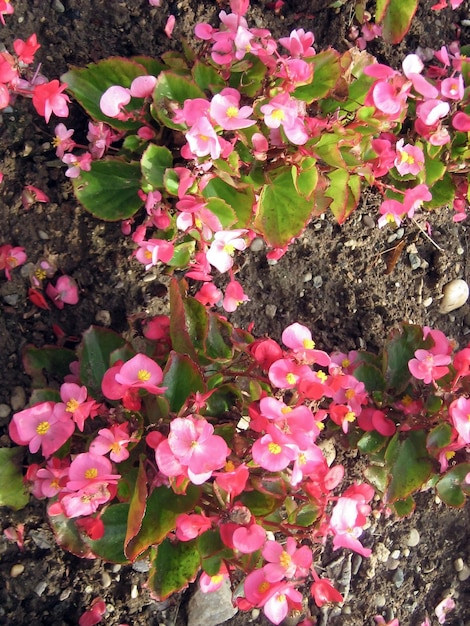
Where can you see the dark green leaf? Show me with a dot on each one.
(13, 492)
(175, 565)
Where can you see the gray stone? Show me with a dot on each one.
(211, 609)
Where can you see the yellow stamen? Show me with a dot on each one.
(42, 428)
(274, 448)
(232, 111)
(72, 405)
(92, 472)
(143, 375)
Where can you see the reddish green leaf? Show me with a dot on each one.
(409, 465)
(344, 190)
(137, 508)
(182, 378)
(399, 349)
(175, 566)
(111, 546)
(49, 360)
(155, 161)
(326, 72)
(452, 487)
(240, 197)
(439, 438)
(404, 507)
(397, 19)
(172, 87)
(68, 537)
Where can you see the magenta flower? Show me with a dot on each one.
(431, 111)
(415, 197)
(249, 539)
(323, 592)
(11, 257)
(48, 98)
(226, 112)
(84, 501)
(152, 251)
(191, 526)
(429, 367)
(273, 455)
(75, 399)
(45, 425)
(453, 88)
(286, 373)
(299, 339)
(25, 50)
(392, 212)
(234, 296)
(77, 163)
(52, 478)
(140, 372)
(461, 122)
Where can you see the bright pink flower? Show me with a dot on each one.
(349, 517)
(309, 461)
(114, 99)
(299, 43)
(25, 50)
(153, 251)
(234, 296)
(157, 328)
(265, 352)
(391, 212)
(389, 95)
(323, 592)
(226, 112)
(4, 97)
(114, 440)
(75, 399)
(461, 121)
(11, 257)
(143, 86)
(372, 419)
(286, 373)
(30, 195)
(65, 291)
(208, 583)
(249, 539)
(409, 159)
(412, 68)
(233, 479)
(223, 248)
(209, 295)
(45, 425)
(282, 110)
(140, 372)
(85, 501)
(273, 455)
(48, 98)
(5, 9)
(87, 469)
(100, 137)
(431, 111)
(52, 478)
(93, 616)
(155, 3)
(191, 526)
(429, 367)
(63, 141)
(453, 88)
(459, 412)
(286, 562)
(415, 197)
(299, 339)
(385, 159)
(203, 140)
(193, 110)
(169, 26)
(284, 599)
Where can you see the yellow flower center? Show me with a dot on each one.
(278, 114)
(350, 416)
(286, 409)
(42, 428)
(40, 274)
(322, 376)
(405, 157)
(281, 598)
(229, 466)
(232, 111)
(115, 447)
(308, 344)
(350, 393)
(143, 375)
(345, 363)
(274, 448)
(203, 137)
(229, 249)
(218, 578)
(91, 472)
(263, 587)
(285, 559)
(320, 425)
(291, 378)
(302, 459)
(72, 405)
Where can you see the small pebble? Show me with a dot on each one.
(413, 538)
(395, 554)
(271, 310)
(16, 570)
(427, 302)
(464, 574)
(41, 538)
(398, 578)
(380, 601)
(400, 232)
(134, 592)
(11, 299)
(141, 566)
(307, 277)
(257, 245)
(58, 6)
(458, 564)
(317, 282)
(105, 580)
(4, 410)
(368, 221)
(116, 568)
(40, 588)
(18, 399)
(103, 317)
(415, 261)
(65, 594)
(392, 564)
(43, 235)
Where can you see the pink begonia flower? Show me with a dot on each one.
(77, 163)
(88, 468)
(169, 26)
(444, 607)
(48, 98)
(65, 291)
(284, 599)
(25, 50)
(63, 141)
(114, 440)
(249, 539)
(207, 583)
(461, 121)
(85, 501)
(193, 110)
(296, 72)
(222, 249)
(299, 339)
(286, 562)
(286, 373)
(310, 459)
(431, 111)
(415, 197)
(409, 159)
(234, 296)
(226, 112)
(155, 3)
(391, 212)
(239, 7)
(385, 159)
(114, 99)
(349, 516)
(453, 88)
(209, 295)
(389, 94)
(282, 110)
(93, 616)
(412, 68)
(30, 195)
(190, 526)
(372, 419)
(75, 399)
(4, 96)
(459, 412)
(203, 140)
(299, 43)
(143, 86)
(52, 478)
(380, 620)
(429, 367)
(11, 257)
(100, 137)
(5, 9)
(45, 425)
(154, 250)
(233, 479)
(140, 372)
(273, 455)
(323, 592)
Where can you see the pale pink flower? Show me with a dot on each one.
(286, 562)
(63, 141)
(453, 88)
(100, 137)
(226, 112)
(193, 110)
(286, 373)
(412, 68)
(77, 163)
(190, 526)
(208, 583)
(349, 517)
(169, 26)
(284, 599)
(65, 291)
(409, 159)
(113, 440)
(234, 296)
(222, 249)
(85, 501)
(273, 455)
(392, 212)
(140, 372)
(299, 339)
(152, 251)
(459, 412)
(299, 43)
(444, 607)
(52, 478)
(429, 367)
(114, 99)
(431, 111)
(143, 86)
(203, 140)
(88, 468)
(75, 399)
(414, 198)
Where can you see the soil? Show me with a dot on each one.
(338, 280)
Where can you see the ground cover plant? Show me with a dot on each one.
(196, 381)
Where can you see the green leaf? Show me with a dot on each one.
(223, 211)
(240, 198)
(179, 334)
(344, 190)
(371, 376)
(371, 442)
(137, 506)
(50, 360)
(172, 88)
(409, 463)
(452, 487)
(68, 537)
(182, 378)
(95, 353)
(305, 515)
(13, 493)
(434, 169)
(155, 161)
(111, 546)
(109, 191)
(212, 550)
(443, 193)
(260, 504)
(326, 73)
(88, 84)
(175, 565)
(163, 507)
(380, 8)
(377, 476)
(404, 507)
(282, 213)
(399, 349)
(397, 19)
(218, 344)
(207, 77)
(439, 438)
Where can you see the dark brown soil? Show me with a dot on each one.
(334, 279)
